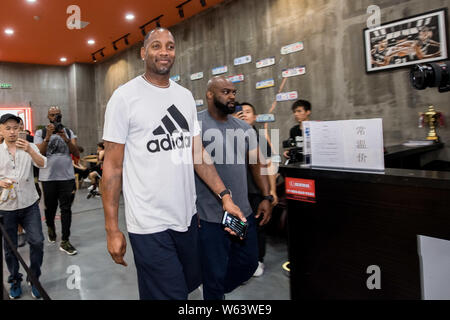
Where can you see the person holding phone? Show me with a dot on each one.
(18, 203)
(228, 261)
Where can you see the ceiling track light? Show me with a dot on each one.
(203, 3)
(158, 24)
(180, 8)
(98, 51)
(125, 38)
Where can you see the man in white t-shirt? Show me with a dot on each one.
(152, 138)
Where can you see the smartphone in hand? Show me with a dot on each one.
(235, 224)
(23, 135)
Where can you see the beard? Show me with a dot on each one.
(162, 70)
(224, 108)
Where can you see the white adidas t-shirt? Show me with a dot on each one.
(157, 127)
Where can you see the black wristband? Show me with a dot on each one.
(224, 193)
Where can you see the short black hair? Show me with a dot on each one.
(147, 36)
(248, 104)
(101, 145)
(302, 103)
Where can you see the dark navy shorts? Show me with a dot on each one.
(167, 263)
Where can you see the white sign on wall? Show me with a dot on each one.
(242, 60)
(219, 70)
(197, 76)
(287, 96)
(176, 78)
(265, 84)
(237, 78)
(199, 102)
(265, 63)
(298, 71)
(295, 47)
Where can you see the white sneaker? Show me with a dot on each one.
(87, 180)
(91, 188)
(260, 270)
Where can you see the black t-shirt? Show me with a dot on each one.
(296, 132)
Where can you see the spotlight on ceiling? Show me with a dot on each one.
(9, 31)
(203, 3)
(126, 40)
(180, 8)
(101, 53)
(63, 59)
(129, 16)
(158, 24)
(93, 57)
(114, 45)
(91, 42)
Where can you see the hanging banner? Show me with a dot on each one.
(265, 84)
(219, 70)
(197, 76)
(242, 60)
(176, 78)
(265, 63)
(199, 103)
(287, 96)
(237, 78)
(298, 71)
(295, 47)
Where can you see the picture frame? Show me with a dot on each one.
(418, 39)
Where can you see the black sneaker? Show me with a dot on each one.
(68, 248)
(51, 235)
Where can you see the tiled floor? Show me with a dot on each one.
(101, 279)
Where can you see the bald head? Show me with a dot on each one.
(218, 82)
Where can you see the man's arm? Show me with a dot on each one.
(205, 169)
(111, 187)
(262, 182)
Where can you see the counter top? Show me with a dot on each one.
(414, 178)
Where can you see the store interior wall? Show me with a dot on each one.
(335, 82)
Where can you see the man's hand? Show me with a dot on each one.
(275, 198)
(265, 208)
(286, 155)
(117, 246)
(239, 115)
(6, 183)
(23, 144)
(231, 208)
(50, 131)
(63, 136)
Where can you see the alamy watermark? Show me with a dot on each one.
(74, 280)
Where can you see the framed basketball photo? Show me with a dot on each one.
(418, 39)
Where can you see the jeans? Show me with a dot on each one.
(30, 219)
(227, 262)
(62, 192)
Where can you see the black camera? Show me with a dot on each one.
(295, 152)
(58, 125)
(431, 75)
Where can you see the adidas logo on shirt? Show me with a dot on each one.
(174, 138)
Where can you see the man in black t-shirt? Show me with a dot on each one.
(302, 112)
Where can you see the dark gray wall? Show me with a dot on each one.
(71, 88)
(336, 82)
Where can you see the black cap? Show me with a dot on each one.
(9, 116)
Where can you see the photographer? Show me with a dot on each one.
(58, 179)
(302, 112)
